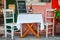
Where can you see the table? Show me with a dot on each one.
(30, 18)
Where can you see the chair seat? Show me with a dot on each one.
(49, 23)
(10, 24)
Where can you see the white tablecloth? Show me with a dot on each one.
(30, 18)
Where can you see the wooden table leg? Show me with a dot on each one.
(36, 34)
(30, 28)
(25, 33)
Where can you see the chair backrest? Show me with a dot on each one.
(49, 13)
(8, 14)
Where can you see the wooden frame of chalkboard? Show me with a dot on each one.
(21, 6)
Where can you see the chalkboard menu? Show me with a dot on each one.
(21, 6)
(45, 0)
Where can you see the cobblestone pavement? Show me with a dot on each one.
(31, 38)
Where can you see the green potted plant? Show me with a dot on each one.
(57, 15)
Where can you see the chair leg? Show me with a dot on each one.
(21, 30)
(38, 28)
(46, 30)
(5, 32)
(53, 31)
(12, 32)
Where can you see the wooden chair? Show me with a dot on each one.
(9, 15)
(49, 15)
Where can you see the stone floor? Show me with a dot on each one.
(31, 38)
